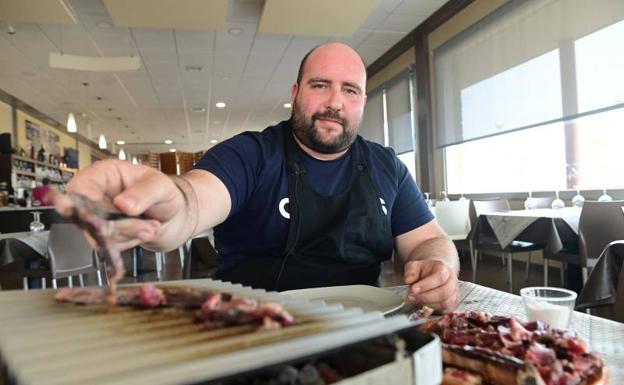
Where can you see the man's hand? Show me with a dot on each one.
(432, 283)
(132, 190)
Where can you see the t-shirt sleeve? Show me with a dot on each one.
(410, 209)
(235, 162)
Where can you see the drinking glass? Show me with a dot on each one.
(444, 197)
(36, 226)
(529, 203)
(557, 203)
(462, 197)
(605, 197)
(578, 199)
(550, 304)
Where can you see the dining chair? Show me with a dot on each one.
(453, 217)
(68, 255)
(490, 245)
(599, 224)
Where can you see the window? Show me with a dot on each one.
(532, 98)
(388, 118)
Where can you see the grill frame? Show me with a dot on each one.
(32, 324)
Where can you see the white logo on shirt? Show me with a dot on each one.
(383, 206)
(282, 208)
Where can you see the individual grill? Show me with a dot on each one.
(43, 342)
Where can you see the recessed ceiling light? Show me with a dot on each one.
(197, 109)
(168, 141)
(213, 141)
(172, 150)
(194, 68)
(121, 142)
(104, 24)
(235, 31)
(287, 105)
(220, 104)
(216, 122)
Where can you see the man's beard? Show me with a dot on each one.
(308, 134)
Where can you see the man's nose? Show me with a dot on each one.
(335, 101)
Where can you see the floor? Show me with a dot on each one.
(491, 272)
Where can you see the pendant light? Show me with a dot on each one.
(134, 160)
(122, 154)
(71, 123)
(102, 142)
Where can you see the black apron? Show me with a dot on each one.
(332, 240)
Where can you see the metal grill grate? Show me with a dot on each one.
(45, 343)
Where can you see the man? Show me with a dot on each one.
(305, 203)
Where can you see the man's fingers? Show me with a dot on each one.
(435, 295)
(438, 275)
(129, 229)
(155, 193)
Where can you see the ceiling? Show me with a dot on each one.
(183, 72)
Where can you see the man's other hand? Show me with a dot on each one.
(432, 283)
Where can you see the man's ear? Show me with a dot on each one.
(293, 91)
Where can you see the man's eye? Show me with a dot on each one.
(352, 91)
(319, 85)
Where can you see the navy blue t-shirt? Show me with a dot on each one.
(252, 167)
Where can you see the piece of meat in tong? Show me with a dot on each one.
(93, 218)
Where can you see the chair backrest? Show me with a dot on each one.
(68, 251)
(542, 202)
(453, 217)
(600, 223)
(485, 206)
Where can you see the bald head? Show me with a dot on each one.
(330, 48)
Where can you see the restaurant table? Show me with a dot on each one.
(551, 227)
(601, 335)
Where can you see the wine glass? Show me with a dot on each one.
(427, 200)
(557, 203)
(529, 203)
(462, 197)
(578, 199)
(36, 226)
(444, 197)
(605, 197)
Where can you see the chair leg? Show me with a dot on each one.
(99, 277)
(562, 270)
(545, 272)
(528, 267)
(503, 259)
(43, 283)
(181, 251)
(25, 283)
(70, 281)
(473, 261)
(510, 272)
(54, 283)
(158, 256)
(585, 275)
(81, 280)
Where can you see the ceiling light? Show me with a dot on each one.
(225, 78)
(172, 150)
(213, 141)
(102, 142)
(197, 109)
(194, 68)
(121, 142)
(287, 105)
(220, 104)
(104, 24)
(122, 154)
(134, 160)
(168, 141)
(235, 31)
(10, 29)
(216, 122)
(71, 123)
